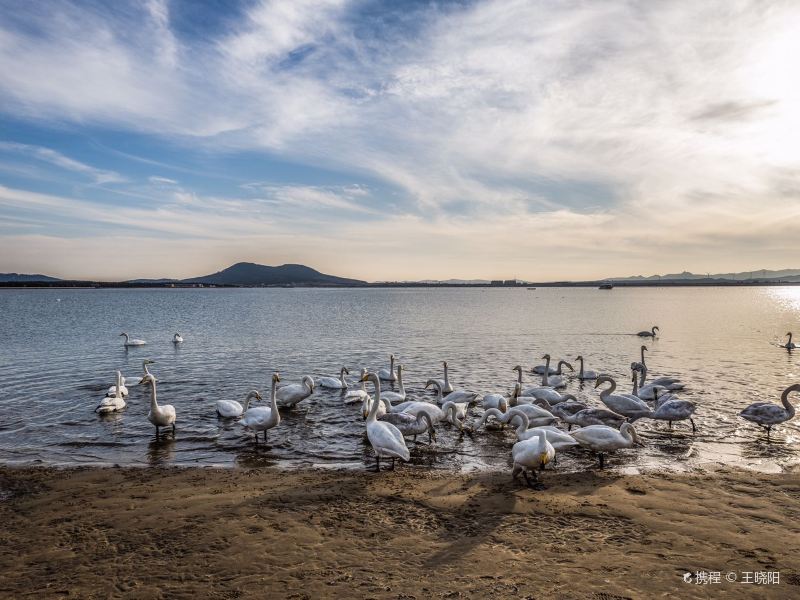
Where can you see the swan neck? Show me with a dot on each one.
(373, 410)
(400, 382)
(785, 401)
(153, 399)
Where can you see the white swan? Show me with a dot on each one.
(115, 403)
(554, 381)
(130, 342)
(767, 414)
(593, 416)
(789, 345)
(146, 370)
(160, 416)
(263, 418)
(448, 412)
(498, 401)
(445, 384)
(554, 435)
(119, 387)
(388, 374)
(359, 395)
(334, 383)
(385, 439)
(531, 455)
(230, 409)
(399, 396)
(383, 407)
(460, 398)
(542, 393)
(603, 439)
(651, 333)
(289, 395)
(627, 406)
(409, 424)
(584, 375)
(668, 408)
(177, 339)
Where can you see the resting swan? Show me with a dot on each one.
(115, 403)
(627, 406)
(385, 439)
(160, 416)
(230, 409)
(603, 439)
(767, 414)
(388, 374)
(333, 383)
(262, 418)
(130, 342)
(289, 395)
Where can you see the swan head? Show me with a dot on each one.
(565, 363)
(433, 382)
(444, 363)
(517, 368)
(643, 348)
(149, 378)
(579, 357)
(568, 397)
(276, 377)
(628, 428)
(546, 357)
(148, 361)
(345, 371)
(788, 334)
(399, 368)
(655, 328)
(310, 382)
(254, 394)
(601, 379)
(125, 334)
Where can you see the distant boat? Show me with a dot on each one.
(531, 288)
(607, 286)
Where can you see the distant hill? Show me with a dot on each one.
(253, 274)
(24, 278)
(783, 274)
(152, 281)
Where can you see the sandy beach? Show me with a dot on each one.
(236, 533)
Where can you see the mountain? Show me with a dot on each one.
(24, 278)
(253, 274)
(152, 281)
(762, 274)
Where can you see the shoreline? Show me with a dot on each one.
(220, 533)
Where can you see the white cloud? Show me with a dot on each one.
(53, 157)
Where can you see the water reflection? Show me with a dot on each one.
(160, 451)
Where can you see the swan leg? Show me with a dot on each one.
(377, 464)
(156, 431)
(602, 461)
(392, 467)
(670, 424)
(769, 429)
(693, 425)
(173, 429)
(265, 435)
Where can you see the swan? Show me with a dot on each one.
(541, 393)
(115, 403)
(593, 416)
(627, 406)
(118, 387)
(409, 424)
(130, 342)
(669, 383)
(160, 416)
(386, 439)
(358, 395)
(540, 369)
(498, 401)
(559, 439)
(146, 370)
(448, 412)
(460, 398)
(556, 381)
(400, 395)
(177, 339)
(334, 383)
(767, 414)
(567, 409)
(388, 374)
(289, 395)
(789, 345)
(531, 455)
(230, 409)
(537, 416)
(445, 384)
(668, 408)
(584, 375)
(384, 407)
(262, 418)
(603, 439)
(651, 333)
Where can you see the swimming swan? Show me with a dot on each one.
(130, 342)
(262, 418)
(789, 345)
(359, 395)
(115, 403)
(160, 416)
(584, 375)
(289, 395)
(146, 370)
(399, 396)
(333, 383)
(651, 333)
(767, 414)
(388, 374)
(386, 439)
(230, 409)
(445, 384)
(177, 339)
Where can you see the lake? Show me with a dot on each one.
(60, 348)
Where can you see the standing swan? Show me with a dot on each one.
(160, 416)
(767, 414)
(262, 418)
(385, 439)
(627, 406)
(790, 345)
(291, 394)
(531, 455)
(230, 409)
(602, 439)
(177, 339)
(668, 408)
(651, 333)
(115, 403)
(409, 424)
(130, 342)
(332, 383)
(388, 374)
(445, 384)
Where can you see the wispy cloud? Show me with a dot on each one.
(64, 162)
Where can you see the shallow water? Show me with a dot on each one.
(59, 350)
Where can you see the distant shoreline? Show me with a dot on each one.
(558, 284)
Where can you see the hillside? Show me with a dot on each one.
(253, 274)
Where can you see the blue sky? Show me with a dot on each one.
(386, 140)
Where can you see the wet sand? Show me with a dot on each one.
(236, 533)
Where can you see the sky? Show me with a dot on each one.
(383, 140)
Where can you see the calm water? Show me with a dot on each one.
(59, 350)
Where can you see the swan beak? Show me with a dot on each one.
(364, 377)
(545, 459)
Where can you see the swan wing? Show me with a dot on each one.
(387, 440)
(229, 408)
